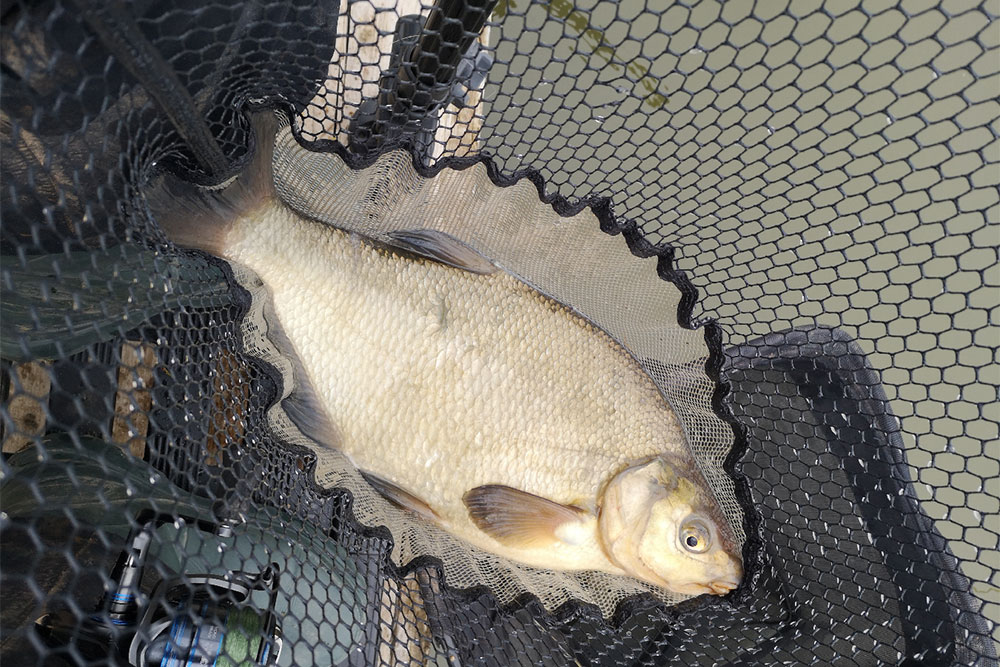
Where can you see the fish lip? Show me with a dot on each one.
(723, 587)
(694, 589)
(719, 587)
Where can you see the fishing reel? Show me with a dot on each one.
(191, 619)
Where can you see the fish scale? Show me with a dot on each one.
(385, 371)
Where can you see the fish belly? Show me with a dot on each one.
(441, 380)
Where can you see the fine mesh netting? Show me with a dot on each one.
(609, 285)
(785, 210)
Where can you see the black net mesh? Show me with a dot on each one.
(818, 184)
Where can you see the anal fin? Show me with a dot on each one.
(400, 497)
(521, 519)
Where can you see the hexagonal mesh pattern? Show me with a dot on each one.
(818, 183)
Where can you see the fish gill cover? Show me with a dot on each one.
(786, 211)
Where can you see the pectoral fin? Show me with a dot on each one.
(400, 497)
(443, 248)
(520, 519)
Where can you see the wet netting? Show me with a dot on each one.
(785, 211)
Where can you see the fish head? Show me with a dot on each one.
(660, 522)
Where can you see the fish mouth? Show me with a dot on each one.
(722, 587)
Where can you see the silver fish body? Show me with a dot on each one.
(501, 414)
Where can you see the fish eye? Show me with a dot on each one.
(695, 536)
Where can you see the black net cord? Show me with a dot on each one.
(122, 37)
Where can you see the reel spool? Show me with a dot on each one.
(199, 619)
(191, 619)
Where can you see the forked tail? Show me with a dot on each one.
(199, 217)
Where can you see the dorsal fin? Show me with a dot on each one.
(521, 519)
(441, 247)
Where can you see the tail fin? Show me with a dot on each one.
(197, 217)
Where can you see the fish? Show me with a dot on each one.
(462, 393)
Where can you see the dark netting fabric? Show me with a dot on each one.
(817, 181)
